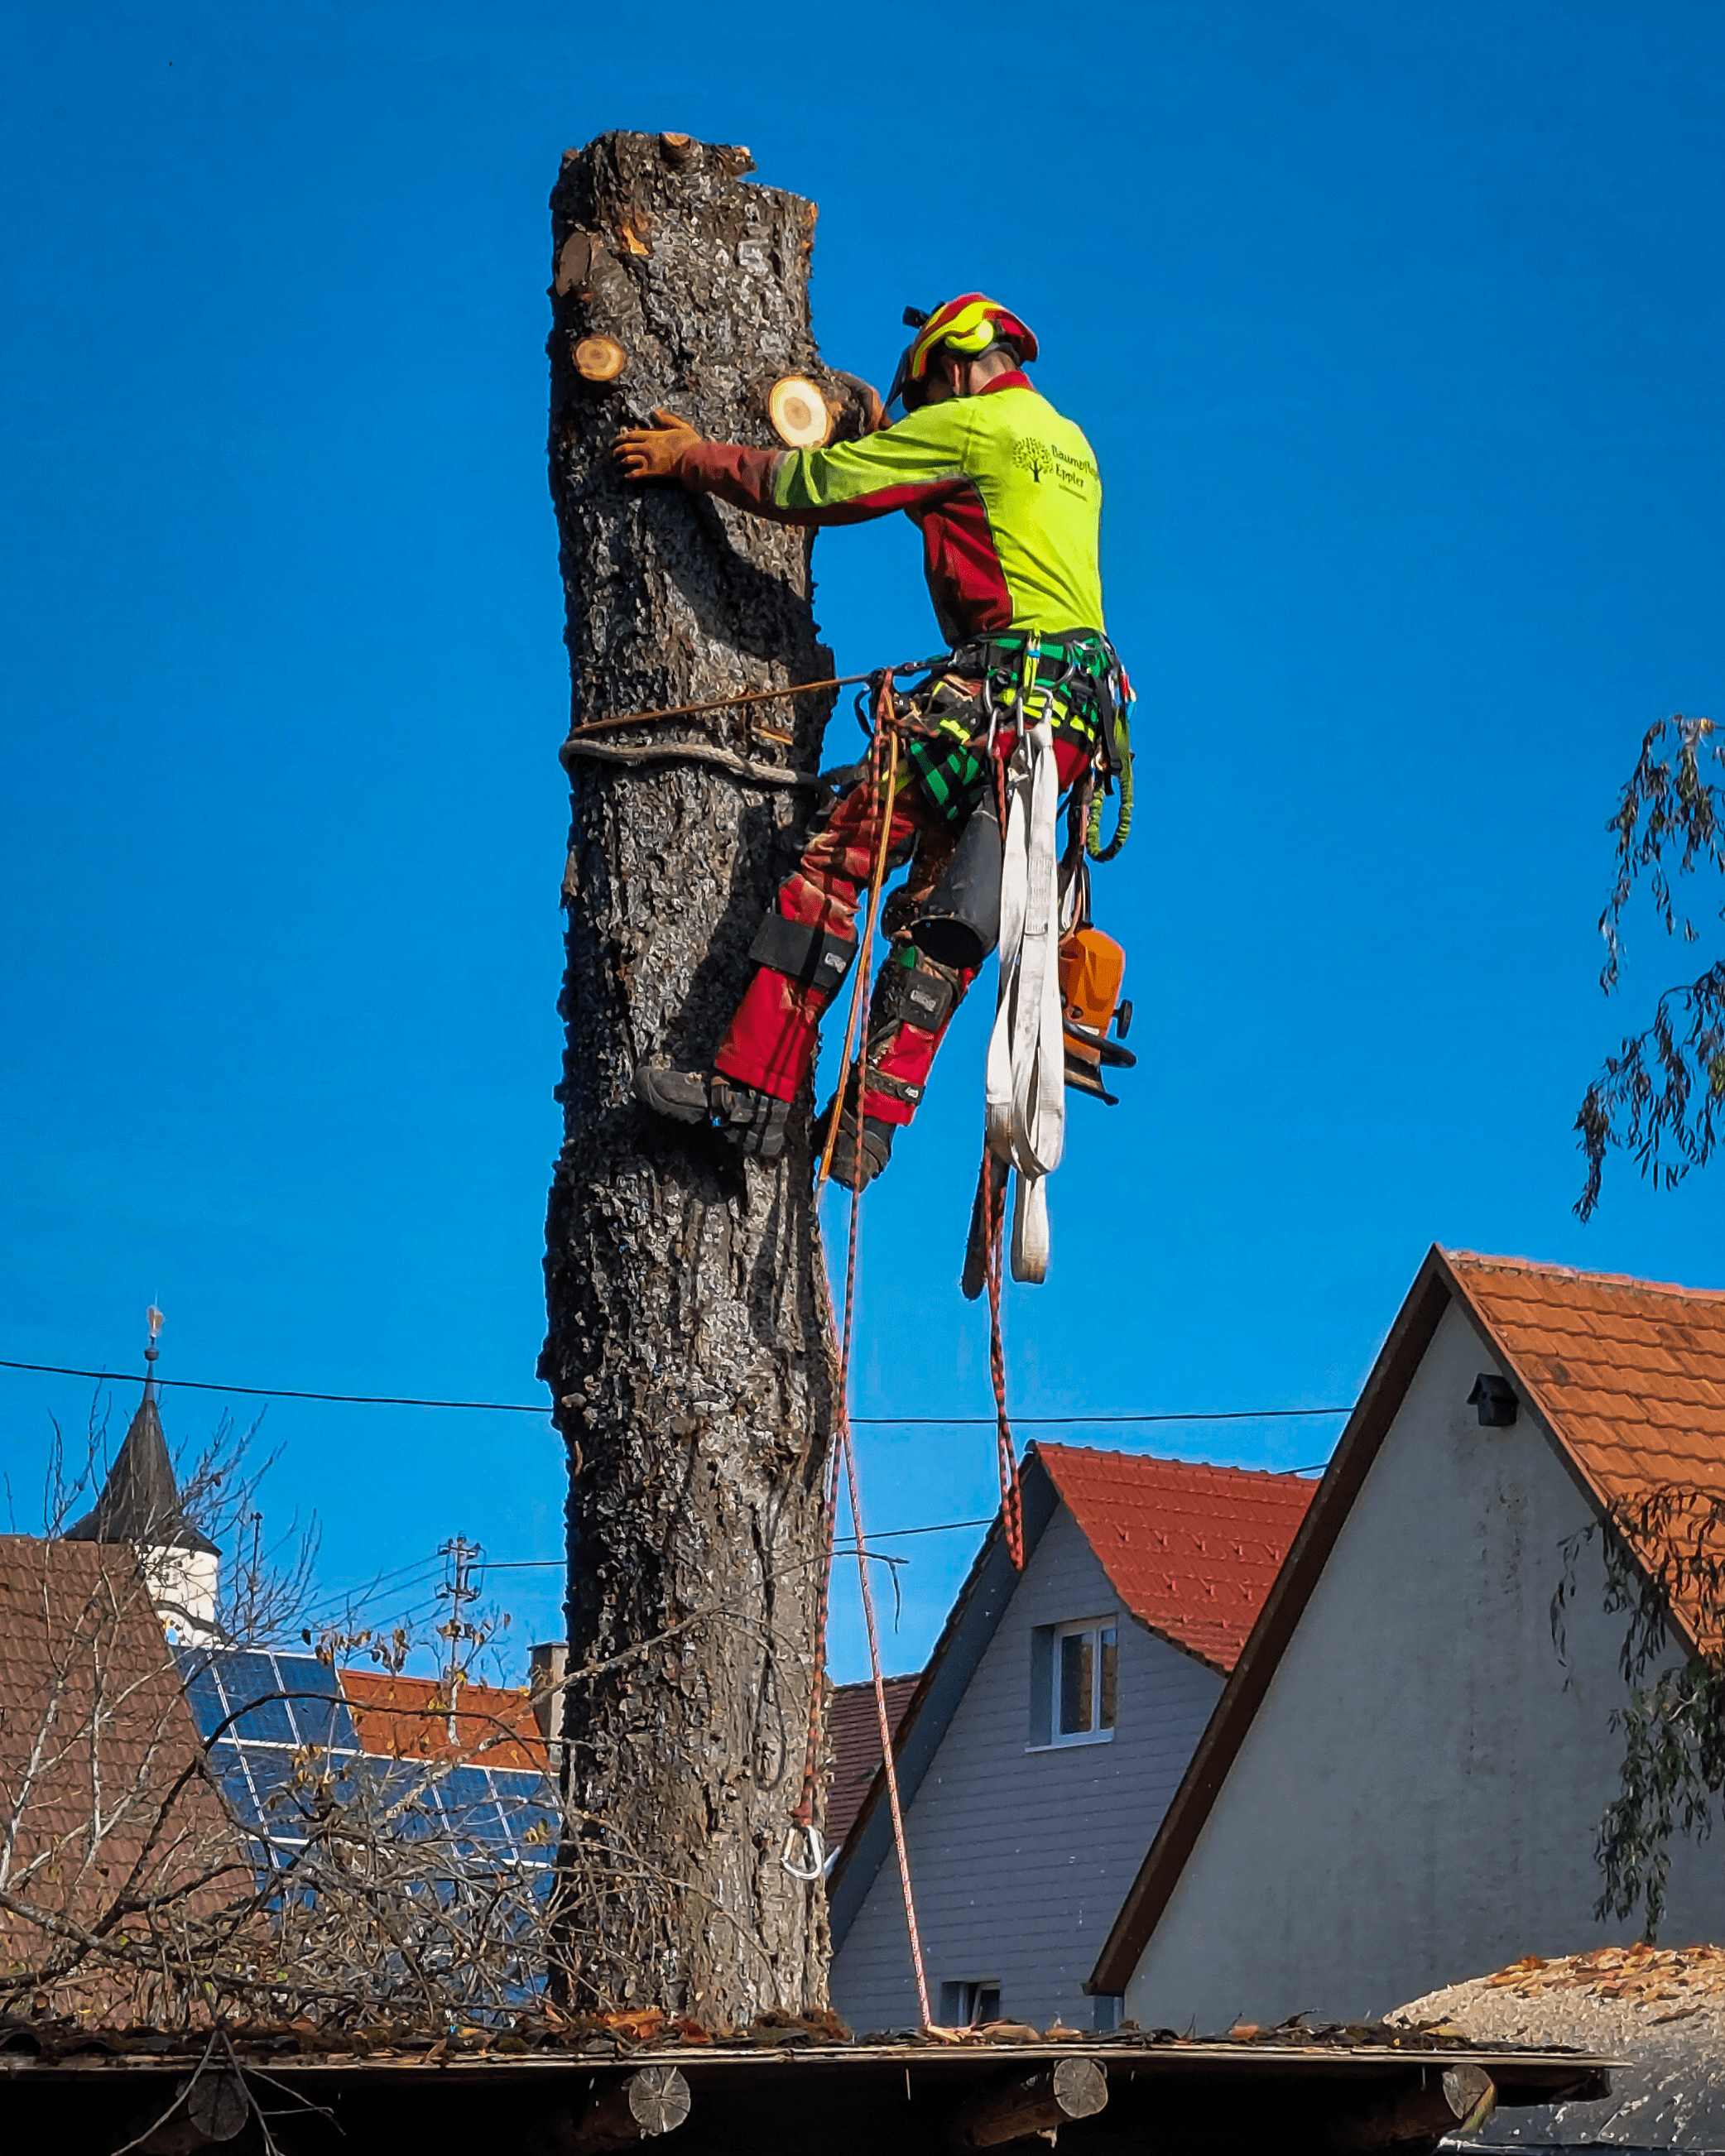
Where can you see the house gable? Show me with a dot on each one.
(1190, 1551)
(1402, 1785)
(982, 1601)
(1626, 1377)
(1018, 1852)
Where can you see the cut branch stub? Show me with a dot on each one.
(1033, 2103)
(798, 412)
(599, 359)
(654, 2101)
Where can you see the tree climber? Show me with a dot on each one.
(1009, 499)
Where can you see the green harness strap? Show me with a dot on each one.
(1078, 681)
(1057, 662)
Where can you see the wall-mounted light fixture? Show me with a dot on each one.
(1495, 1398)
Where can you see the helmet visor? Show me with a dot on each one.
(907, 390)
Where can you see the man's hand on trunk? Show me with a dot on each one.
(655, 452)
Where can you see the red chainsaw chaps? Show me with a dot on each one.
(770, 1041)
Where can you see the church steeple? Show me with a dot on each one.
(140, 1504)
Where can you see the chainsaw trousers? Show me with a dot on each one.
(770, 1041)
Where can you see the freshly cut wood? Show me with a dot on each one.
(1033, 2103)
(798, 412)
(652, 2101)
(599, 359)
(1458, 2100)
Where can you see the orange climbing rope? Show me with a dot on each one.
(802, 1815)
(884, 753)
(881, 1717)
(1006, 1452)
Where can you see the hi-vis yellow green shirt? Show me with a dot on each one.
(1005, 490)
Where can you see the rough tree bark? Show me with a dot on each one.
(687, 1352)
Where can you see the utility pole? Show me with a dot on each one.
(687, 1350)
(460, 1556)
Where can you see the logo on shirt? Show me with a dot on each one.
(1041, 458)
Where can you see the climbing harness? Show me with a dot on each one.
(1041, 1001)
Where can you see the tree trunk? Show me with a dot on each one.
(687, 1350)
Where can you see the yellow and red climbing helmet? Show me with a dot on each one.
(967, 326)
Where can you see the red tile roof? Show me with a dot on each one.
(97, 1791)
(854, 1724)
(1630, 1374)
(1191, 1550)
(408, 1718)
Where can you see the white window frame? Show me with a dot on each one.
(965, 1993)
(1096, 1734)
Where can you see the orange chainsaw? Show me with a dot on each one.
(1092, 966)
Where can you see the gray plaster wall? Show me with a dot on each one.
(1020, 1858)
(1415, 1802)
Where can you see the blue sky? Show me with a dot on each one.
(1397, 330)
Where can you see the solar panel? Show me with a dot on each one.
(528, 1805)
(471, 1808)
(229, 1763)
(202, 1692)
(273, 1776)
(279, 1699)
(280, 1727)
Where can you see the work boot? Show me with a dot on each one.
(876, 1148)
(753, 1118)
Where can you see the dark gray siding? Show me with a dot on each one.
(1020, 1858)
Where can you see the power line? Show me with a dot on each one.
(1200, 1414)
(277, 1392)
(517, 1407)
(403, 1580)
(876, 1535)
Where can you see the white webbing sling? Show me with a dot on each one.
(1026, 1074)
